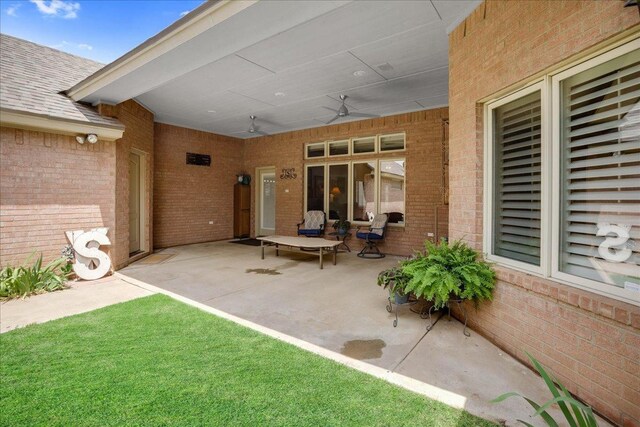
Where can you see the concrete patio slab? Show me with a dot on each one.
(340, 309)
(79, 298)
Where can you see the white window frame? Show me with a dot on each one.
(570, 279)
(327, 190)
(324, 183)
(375, 189)
(397, 150)
(311, 144)
(404, 188)
(549, 267)
(489, 108)
(367, 153)
(328, 148)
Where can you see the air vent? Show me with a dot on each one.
(385, 67)
(198, 159)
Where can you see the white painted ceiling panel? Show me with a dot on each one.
(410, 88)
(310, 57)
(198, 84)
(257, 22)
(453, 12)
(355, 24)
(326, 75)
(413, 51)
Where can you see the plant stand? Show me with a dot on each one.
(391, 304)
(448, 306)
(341, 238)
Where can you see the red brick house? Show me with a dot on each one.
(514, 125)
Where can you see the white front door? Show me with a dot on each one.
(266, 215)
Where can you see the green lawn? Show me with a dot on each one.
(156, 361)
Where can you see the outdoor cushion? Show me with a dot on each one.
(368, 235)
(378, 224)
(313, 220)
(306, 232)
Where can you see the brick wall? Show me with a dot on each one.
(591, 342)
(187, 197)
(138, 135)
(50, 184)
(424, 130)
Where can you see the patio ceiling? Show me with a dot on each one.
(389, 57)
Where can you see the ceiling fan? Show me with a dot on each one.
(255, 129)
(343, 111)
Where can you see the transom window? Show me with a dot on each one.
(562, 188)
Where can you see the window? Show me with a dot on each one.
(516, 179)
(338, 191)
(338, 148)
(392, 190)
(364, 145)
(364, 191)
(357, 190)
(315, 188)
(392, 142)
(562, 180)
(599, 174)
(317, 149)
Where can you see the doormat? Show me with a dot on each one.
(155, 259)
(248, 242)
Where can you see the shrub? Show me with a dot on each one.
(575, 413)
(447, 271)
(34, 279)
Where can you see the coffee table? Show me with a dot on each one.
(289, 243)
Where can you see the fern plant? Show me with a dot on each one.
(446, 271)
(575, 413)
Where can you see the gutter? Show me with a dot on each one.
(186, 28)
(58, 125)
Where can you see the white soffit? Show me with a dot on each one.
(290, 72)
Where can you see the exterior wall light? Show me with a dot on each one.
(91, 138)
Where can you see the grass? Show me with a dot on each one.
(156, 361)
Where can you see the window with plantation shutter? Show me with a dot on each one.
(517, 179)
(562, 175)
(599, 218)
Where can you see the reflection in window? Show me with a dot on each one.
(392, 173)
(338, 191)
(315, 188)
(364, 188)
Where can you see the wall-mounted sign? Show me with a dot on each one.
(90, 262)
(288, 173)
(198, 159)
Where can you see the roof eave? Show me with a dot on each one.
(46, 123)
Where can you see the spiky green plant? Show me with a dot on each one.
(33, 278)
(575, 412)
(448, 270)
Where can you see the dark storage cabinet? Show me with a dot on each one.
(241, 210)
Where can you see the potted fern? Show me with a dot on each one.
(448, 271)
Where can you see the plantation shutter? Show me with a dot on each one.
(600, 169)
(517, 170)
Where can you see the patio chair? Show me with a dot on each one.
(313, 224)
(372, 235)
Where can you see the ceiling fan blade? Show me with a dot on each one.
(330, 109)
(259, 132)
(363, 115)
(334, 119)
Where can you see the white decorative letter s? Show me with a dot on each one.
(621, 254)
(88, 253)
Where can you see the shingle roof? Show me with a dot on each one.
(32, 77)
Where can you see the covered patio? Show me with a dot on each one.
(341, 309)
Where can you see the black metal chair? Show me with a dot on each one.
(372, 236)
